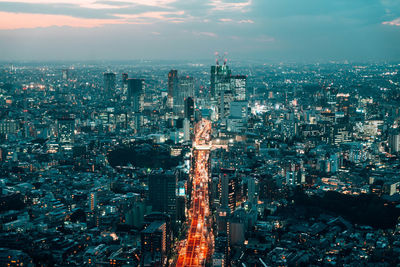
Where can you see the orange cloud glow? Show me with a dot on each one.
(11, 21)
(395, 22)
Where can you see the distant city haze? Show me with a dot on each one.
(262, 30)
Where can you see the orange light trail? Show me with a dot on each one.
(198, 245)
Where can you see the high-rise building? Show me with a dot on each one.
(109, 83)
(189, 109)
(136, 94)
(124, 79)
(238, 85)
(186, 129)
(154, 244)
(162, 192)
(172, 86)
(8, 127)
(227, 200)
(252, 196)
(161, 217)
(65, 130)
(394, 141)
(93, 201)
(65, 74)
(221, 89)
(185, 89)
(220, 79)
(238, 112)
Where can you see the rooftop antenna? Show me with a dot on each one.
(221, 58)
(225, 58)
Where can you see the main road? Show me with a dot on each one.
(198, 244)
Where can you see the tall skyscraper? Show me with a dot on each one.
(221, 89)
(252, 197)
(162, 192)
(238, 85)
(394, 141)
(185, 89)
(124, 79)
(124, 84)
(189, 109)
(109, 83)
(220, 79)
(154, 244)
(172, 86)
(136, 94)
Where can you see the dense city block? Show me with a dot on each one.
(157, 163)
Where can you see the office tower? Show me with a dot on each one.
(162, 192)
(154, 244)
(224, 210)
(238, 85)
(124, 85)
(124, 79)
(394, 141)
(186, 129)
(8, 127)
(221, 89)
(172, 86)
(65, 74)
(93, 201)
(185, 89)
(161, 217)
(251, 191)
(189, 109)
(221, 254)
(65, 130)
(109, 83)
(238, 112)
(136, 94)
(228, 186)
(220, 79)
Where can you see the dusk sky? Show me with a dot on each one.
(265, 30)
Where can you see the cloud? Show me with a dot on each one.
(279, 29)
(207, 34)
(152, 17)
(12, 21)
(246, 21)
(225, 20)
(228, 6)
(72, 10)
(265, 39)
(395, 22)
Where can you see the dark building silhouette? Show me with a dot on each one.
(161, 217)
(124, 78)
(154, 244)
(109, 83)
(184, 90)
(162, 192)
(136, 93)
(172, 86)
(189, 109)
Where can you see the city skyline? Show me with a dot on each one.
(199, 133)
(270, 31)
